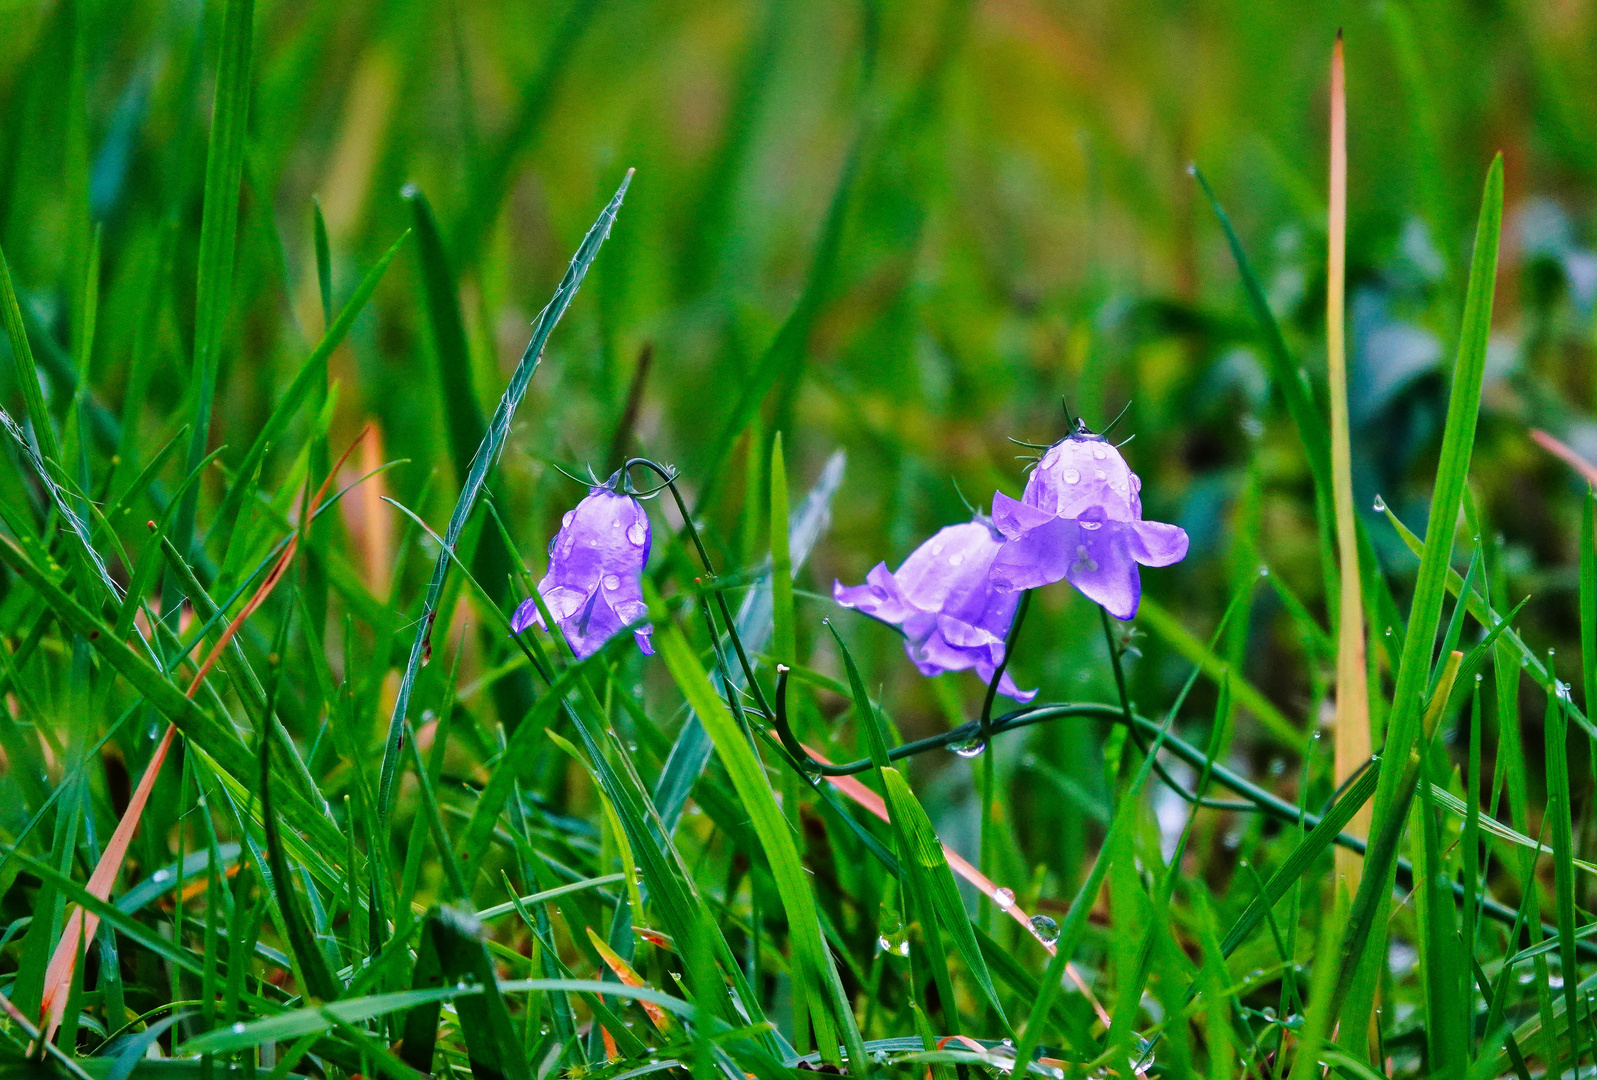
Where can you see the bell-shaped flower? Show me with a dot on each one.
(941, 598)
(596, 560)
(1080, 519)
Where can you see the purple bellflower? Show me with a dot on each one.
(1081, 519)
(595, 561)
(951, 616)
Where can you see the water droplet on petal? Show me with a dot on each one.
(565, 522)
(1380, 505)
(1046, 929)
(1004, 898)
(1092, 526)
(1099, 452)
(611, 581)
(1071, 476)
(1101, 475)
(956, 558)
(637, 533)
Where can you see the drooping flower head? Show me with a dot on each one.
(1080, 519)
(941, 597)
(593, 585)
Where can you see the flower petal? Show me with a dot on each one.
(880, 597)
(527, 614)
(1014, 518)
(1079, 473)
(1101, 566)
(1154, 543)
(965, 635)
(1037, 557)
(1006, 685)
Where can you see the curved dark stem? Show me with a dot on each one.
(668, 479)
(801, 757)
(1257, 797)
(998, 672)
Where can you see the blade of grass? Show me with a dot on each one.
(224, 171)
(810, 950)
(311, 375)
(27, 372)
(486, 456)
(1559, 811)
(755, 620)
(1404, 723)
(1352, 682)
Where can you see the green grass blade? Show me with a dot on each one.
(1458, 440)
(1559, 811)
(311, 376)
(486, 457)
(27, 372)
(782, 635)
(1303, 855)
(315, 975)
(324, 262)
(755, 620)
(462, 417)
(224, 172)
(809, 947)
(1588, 599)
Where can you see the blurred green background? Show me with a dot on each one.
(906, 229)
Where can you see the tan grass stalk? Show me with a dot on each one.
(1352, 686)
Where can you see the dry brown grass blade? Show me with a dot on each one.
(873, 802)
(1352, 668)
(81, 925)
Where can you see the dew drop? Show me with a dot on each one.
(1099, 452)
(969, 748)
(1092, 526)
(1380, 505)
(565, 522)
(1046, 929)
(937, 548)
(956, 558)
(1136, 482)
(1004, 898)
(611, 581)
(161, 875)
(903, 947)
(1071, 476)
(238, 1027)
(1388, 631)
(637, 533)
(1101, 475)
